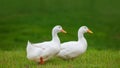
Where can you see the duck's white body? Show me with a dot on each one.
(73, 49)
(45, 50)
(40, 52)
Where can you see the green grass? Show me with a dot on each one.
(91, 59)
(23, 20)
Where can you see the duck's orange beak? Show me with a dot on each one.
(63, 31)
(89, 31)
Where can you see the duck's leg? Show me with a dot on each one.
(41, 60)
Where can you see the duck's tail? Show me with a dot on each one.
(29, 49)
(28, 43)
(29, 46)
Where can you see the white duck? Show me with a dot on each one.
(41, 52)
(73, 49)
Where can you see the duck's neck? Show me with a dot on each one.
(55, 37)
(82, 41)
(81, 38)
(80, 35)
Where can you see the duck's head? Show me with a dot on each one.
(85, 29)
(58, 29)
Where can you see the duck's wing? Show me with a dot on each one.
(68, 50)
(68, 44)
(41, 45)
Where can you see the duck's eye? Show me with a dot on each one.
(85, 27)
(59, 27)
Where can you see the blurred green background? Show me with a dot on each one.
(23, 20)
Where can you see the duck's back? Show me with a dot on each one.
(68, 44)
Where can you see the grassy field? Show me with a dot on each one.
(91, 59)
(23, 20)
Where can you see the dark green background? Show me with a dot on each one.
(22, 20)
